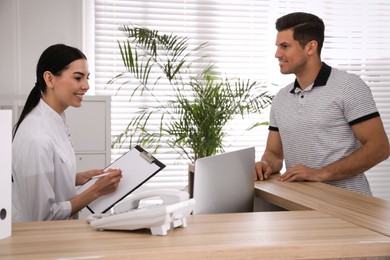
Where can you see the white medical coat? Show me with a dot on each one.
(43, 167)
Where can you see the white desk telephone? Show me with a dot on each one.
(159, 218)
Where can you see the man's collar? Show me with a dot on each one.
(320, 80)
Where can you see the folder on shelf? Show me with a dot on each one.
(137, 166)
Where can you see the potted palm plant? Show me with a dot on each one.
(193, 119)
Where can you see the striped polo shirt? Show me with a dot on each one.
(315, 123)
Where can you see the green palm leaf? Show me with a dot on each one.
(192, 122)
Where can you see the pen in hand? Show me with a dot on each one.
(100, 175)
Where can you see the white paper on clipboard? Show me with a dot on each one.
(137, 167)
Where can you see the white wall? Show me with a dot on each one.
(27, 28)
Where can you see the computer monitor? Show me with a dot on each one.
(224, 183)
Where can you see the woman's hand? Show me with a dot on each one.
(103, 185)
(83, 177)
(109, 183)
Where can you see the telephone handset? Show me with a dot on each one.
(128, 214)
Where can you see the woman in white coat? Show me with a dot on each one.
(43, 159)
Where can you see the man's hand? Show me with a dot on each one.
(263, 171)
(301, 172)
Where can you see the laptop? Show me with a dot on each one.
(224, 183)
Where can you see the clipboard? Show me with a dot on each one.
(137, 166)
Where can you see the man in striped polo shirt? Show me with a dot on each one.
(325, 124)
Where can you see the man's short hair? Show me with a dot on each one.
(306, 27)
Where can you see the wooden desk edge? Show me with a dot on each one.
(279, 201)
(369, 212)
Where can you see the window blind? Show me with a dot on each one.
(241, 42)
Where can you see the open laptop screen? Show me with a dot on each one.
(224, 183)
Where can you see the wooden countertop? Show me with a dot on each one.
(260, 235)
(365, 211)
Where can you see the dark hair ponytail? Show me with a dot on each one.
(55, 59)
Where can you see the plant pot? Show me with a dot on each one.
(191, 172)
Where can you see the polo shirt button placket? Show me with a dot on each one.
(301, 103)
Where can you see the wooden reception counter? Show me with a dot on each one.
(365, 211)
(324, 223)
(259, 235)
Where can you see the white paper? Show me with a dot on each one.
(5, 175)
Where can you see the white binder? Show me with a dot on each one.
(137, 167)
(5, 176)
